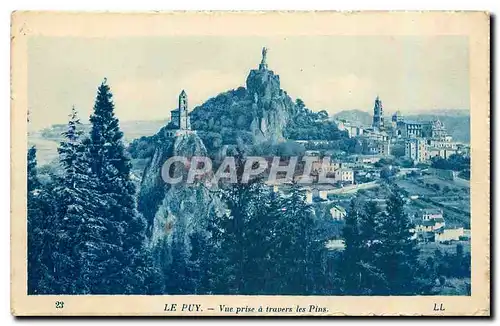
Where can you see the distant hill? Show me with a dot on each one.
(445, 112)
(47, 140)
(362, 118)
(131, 129)
(458, 126)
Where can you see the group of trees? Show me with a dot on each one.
(231, 109)
(84, 233)
(269, 244)
(305, 124)
(283, 149)
(264, 244)
(380, 256)
(455, 162)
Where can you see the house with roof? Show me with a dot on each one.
(338, 213)
(430, 222)
(344, 175)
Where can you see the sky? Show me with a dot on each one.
(146, 74)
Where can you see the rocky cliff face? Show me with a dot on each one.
(262, 109)
(271, 104)
(179, 207)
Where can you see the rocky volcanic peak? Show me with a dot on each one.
(271, 105)
(262, 108)
(174, 208)
(263, 84)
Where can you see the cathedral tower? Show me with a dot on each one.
(378, 114)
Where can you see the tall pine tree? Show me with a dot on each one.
(350, 268)
(372, 278)
(41, 233)
(300, 247)
(77, 203)
(397, 251)
(112, 252)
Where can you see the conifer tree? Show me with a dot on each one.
(115, 232)
(33, 182)
(397, 252)
(350, 268)
(299, 245)
(35, 269)
(371, 279)
(71, 205)
(241, 202)
(237, 233)
(212, 263)
(178, 279)
(264, 251)
(41, 238)
(196, 269)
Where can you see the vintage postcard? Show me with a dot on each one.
(250, 164)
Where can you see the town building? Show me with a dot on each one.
(408, 128)
(366, 159)
(432, 228)
(442, 142)
(330, 167)
(423, 139)
(430, 222)
(431, 214)
(444, 174)
(434, 129)
(377, 147)
(338, 213)
(352, 130)
(415, 149)
(344, 175)
(396, 117)
(384, 148)
(375, 134)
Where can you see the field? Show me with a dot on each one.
(453, 197)
(428, 249)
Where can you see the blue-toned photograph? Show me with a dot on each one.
(220, 165)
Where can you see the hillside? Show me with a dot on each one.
(458, 126)
(363, 118)
(255, 113)
(177, 204)
(47, 139)
(261, 112)
(446, 112)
